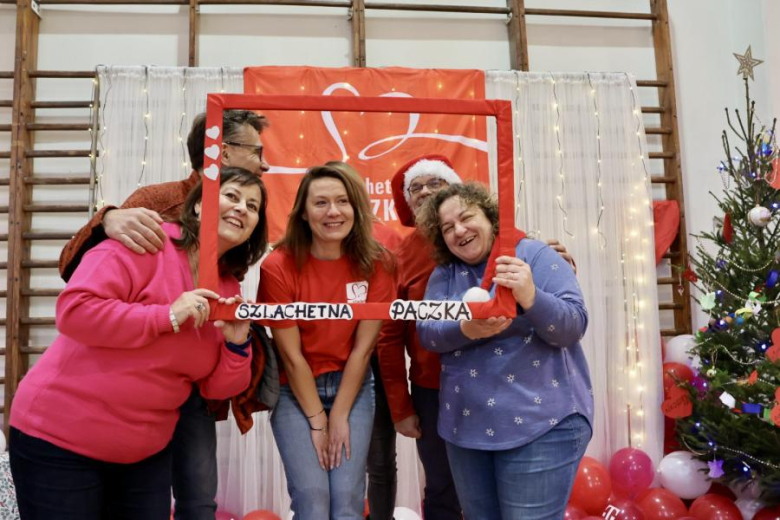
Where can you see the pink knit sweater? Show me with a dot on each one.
(111, 384)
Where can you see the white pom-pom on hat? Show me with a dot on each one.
(476, 294)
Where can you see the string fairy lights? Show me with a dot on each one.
(559, 151)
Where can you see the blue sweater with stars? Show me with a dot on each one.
(506, 391)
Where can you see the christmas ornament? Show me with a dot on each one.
(759, 216)
(716, 469)
(774, 176)
(689, 275)
(712, 372)
(678, 404)
(728, 229)
(707, 301)
(747, 63)
(775, 415)
(728, 399)
(771, 279)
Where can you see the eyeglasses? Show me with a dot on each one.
(432, 185)
(256, 150)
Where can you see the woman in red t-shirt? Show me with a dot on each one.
(322, 422)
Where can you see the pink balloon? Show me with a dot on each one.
(631, 471)
(225, 515)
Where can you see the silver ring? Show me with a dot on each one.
(200, 306)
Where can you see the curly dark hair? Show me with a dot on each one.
(232, 122)
(237, 260)
(470, 194)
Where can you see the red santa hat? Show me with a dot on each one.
(434, 165)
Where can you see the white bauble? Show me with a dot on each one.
(476, 294)
(759, 216)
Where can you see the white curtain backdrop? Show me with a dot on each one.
(580, 175)
(564, 178)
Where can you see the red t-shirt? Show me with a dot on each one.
(326, 344)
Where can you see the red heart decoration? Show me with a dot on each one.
(775, 415)
(753, 378)
(678, 404)
(777, 395)
(773, 354)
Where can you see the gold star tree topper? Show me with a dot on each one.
(746, 63)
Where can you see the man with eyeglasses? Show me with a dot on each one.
(415, 415)
(137, 225)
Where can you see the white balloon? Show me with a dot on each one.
(404, 513)
(680, 473)
(749, 507)
(677, 349)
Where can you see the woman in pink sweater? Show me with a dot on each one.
(91, 421)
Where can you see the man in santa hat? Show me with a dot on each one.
(415, 415)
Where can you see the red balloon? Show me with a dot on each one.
(591, 487)
(623, 509)
(661, 504)
(261, 514)
(768, 513)
(714, 507)
(574, 513)
(719, 489)
(631, 471)
(676, 370)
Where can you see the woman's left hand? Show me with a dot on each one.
(338, 436)
(515, 274)
(235, 331)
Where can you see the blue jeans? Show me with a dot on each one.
(530, 482)
(318, 494)
(53, 483)
(194, 448)
(440, 501)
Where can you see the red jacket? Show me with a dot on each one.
(415, 265)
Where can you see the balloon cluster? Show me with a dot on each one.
(623, 492)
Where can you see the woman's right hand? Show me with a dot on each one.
(193, 304)
(480, 329)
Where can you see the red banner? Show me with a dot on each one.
(375, 144)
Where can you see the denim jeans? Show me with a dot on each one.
(530, 482)
(382, 470)
(318, 494)
(194, 448)
(53, 483)
(440, 501)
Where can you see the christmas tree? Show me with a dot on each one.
(728, 415)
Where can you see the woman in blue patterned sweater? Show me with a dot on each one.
(516, 404)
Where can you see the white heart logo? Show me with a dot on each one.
(212, 172)
(213, 132)
(212, 152)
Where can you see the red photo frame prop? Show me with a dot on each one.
(502, 305)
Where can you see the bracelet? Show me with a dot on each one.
(243, 345)
(316, 414)
(317, 429)
(174, 321)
